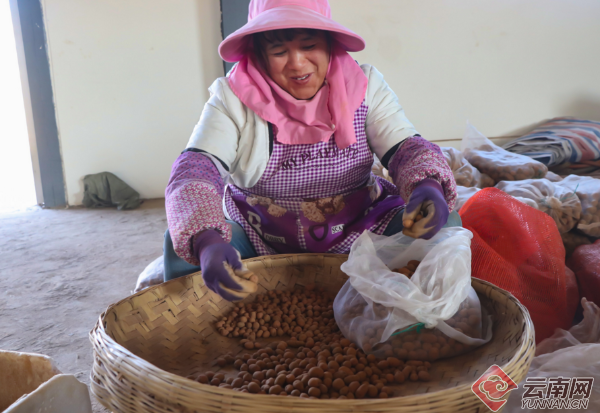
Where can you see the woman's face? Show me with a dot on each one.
(299, 66)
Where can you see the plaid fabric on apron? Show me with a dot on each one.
(315, 197)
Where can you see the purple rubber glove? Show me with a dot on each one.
(428, 200)
(222, 269)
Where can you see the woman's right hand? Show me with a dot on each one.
(426, 200)
(222, 269)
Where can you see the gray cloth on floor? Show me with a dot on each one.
(106, 190)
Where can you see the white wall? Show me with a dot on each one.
(130, 79)
(503, 64)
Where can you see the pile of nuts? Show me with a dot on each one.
(466, 177)
(464, 173)
(409, 269)
(588, 192)
(408, 224)
(316, 361)
(304, 315)
(564, 209)
(423, 345)
(332, 370)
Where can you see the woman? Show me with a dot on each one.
(292, 131)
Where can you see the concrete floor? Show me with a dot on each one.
(59, 269)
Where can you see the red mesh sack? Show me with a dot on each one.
(585, 262)
(519, 249)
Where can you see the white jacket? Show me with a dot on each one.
(236, 135)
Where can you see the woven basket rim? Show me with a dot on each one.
(98, 334)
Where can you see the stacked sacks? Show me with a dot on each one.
(498, 163)
(464, 194)
(519, 249)
(552, 177)
(558, 202)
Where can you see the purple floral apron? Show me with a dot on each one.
(315, 197)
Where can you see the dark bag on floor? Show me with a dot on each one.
(107, 190)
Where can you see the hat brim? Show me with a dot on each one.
(235, 46)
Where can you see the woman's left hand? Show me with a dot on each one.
(427, 200)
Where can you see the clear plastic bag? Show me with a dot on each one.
(552, 177)
(588, 192)
(587, 331)
(573, 353)
(153, 274)
(527, 201)
(561, 204)
(382, 310)
(496, 162)
(465, 174)
(463, 194)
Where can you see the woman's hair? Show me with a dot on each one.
(262, 39)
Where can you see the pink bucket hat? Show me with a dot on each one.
(265, 15)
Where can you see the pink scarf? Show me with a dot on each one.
(305, 121)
